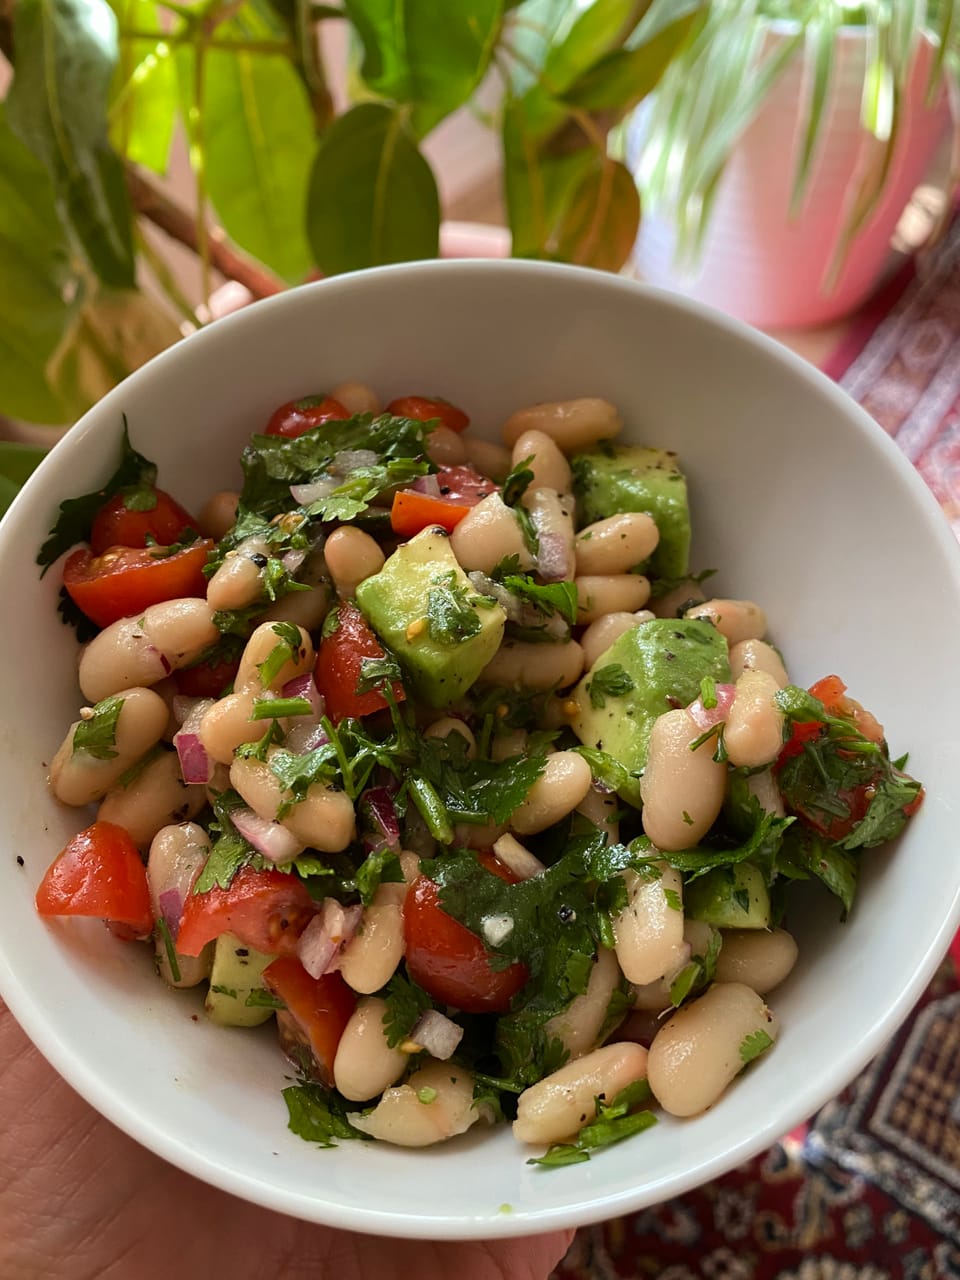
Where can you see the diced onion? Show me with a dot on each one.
(274, 841)
(437, 1033)
(707, 717)
(305, 735)
(305, 687)
(292, 560)
(553, 559)
(429, 485)
(521, 861)
(196, 767)
(380, 807)
(322, 942)
(304, 494)
(496, 929)
(171, 909)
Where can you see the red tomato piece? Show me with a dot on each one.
(99, 873)
(411, 512)
(268, 910)
(830, 691)
(299, 416)
(116, 526)
(126, 580)
(339, 667)
(802, 732)
(206, 679)
(464, 484)
(320, 1008)
(426, 408)
(449, 961)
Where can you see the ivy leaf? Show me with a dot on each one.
(66, 54)
(372, 197)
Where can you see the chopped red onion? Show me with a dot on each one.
(292, 560)
(274, 841)
(322, 942)
(429, 485)
(305, 735)
(521, 861)
(382, 813)
(172, 869)
(195, 764)
(707, 717)
(554, 561)
(304, 494)
(170, 903)
(305, 687)
(437, 1033)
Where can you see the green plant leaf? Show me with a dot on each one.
(17, 463)
(584, 35)
(259, 134)
(373, 197)
(429, 54)
(66, 53)
(820, 49)
(143, 105)
(600, 225)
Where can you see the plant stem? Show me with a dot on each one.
(157, 207)
(225, 43)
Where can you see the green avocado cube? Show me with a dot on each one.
(235, 977)
(729, 898)
(653, 668)
(423, 606)
(610, 479)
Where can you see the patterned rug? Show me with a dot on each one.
(870, 1189)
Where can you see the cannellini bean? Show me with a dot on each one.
(154, 799)
(409, 865)
(489, 459)
(141, 651)
(239, 580)
(446, 725)
(759, 959)
(617, 544)
(649, 929)
(579, 1026)
(259, 648)
(487, 533)
(565, 780)
(753, 734)
(370, 958)
(601, 809)
(77, 777)
(697, 937)
(445, 447)
(763, 787)
(435, 1104)
(696, 1054)
(324, 819)
(177, 856)
(364, 1064)
(306, 609)
(356, 397)
(600, 635)
(506, 745)
(610, 593)
(351, 556)
(736, 620)
(517, 665)
(559, 1105)
(229, 724)
(218, 514)
(674, 603)
(682, 790)
(572, 424)
(757, 655)
(552, 519)
(471, 835)
(550, 468)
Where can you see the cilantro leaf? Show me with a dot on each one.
(134, 474)
(475, 791)
(405, 1002)
(162, 933)
(611, 681)
(97, 736)
(376, 672)
(752, 1045)
(230, 851)
(451, 619)
(547, 598)
(318, 1115)
(516, 482)
(382, 866)
(614, 1121)
(760, 847)
(289, 643)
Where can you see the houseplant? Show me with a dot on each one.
(774, 190)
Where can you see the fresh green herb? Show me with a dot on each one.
(162, 931)
(614, 1121)
(318, 1115)
(426, 1095)
(218, 990)
(753, 1045)
(362, 487)
(97, 736)
(261, 998)
(698, 974)
(380, 867)
(285, 650)
(686, 817)
(611, 681)
(230, 851)
(474, 791)
(547, 598)
(661, 587)
(278, 708)
(129, 776)
(530, 539)
(517, 481)
(451, 619)
(405, 1002)
(605, 767)
(761, 847)
(673, 899)
(135, 477)
(708, 693)
(376, 672)
(430, 807)
(71, 615)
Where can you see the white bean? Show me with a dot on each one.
(697, 937)
(757, 655)
(610, 593)
(649, 929)
(324, 819)
(753, 735)
(435, 1104)
(571, 424)
(155, 798)
(696, 1055)
(79, 777)
(559, 1105)
(445, 447)
(564, 783)
(218, 514)
(239, 580)
(517, 665)
(261, 645)
(506, 745)
(759, 959)
(616, 544)
(177, 856)
(486, 534)
(550, 468)
(306, 609)
(446, 725)
(351, 557)
(356, 397)
(578, 1027)
(601, 809)
(763, 787)
(682, 790)
(141, 651)
(600, 635)
(736, 620)
(370, 958)
(364, 1064)
(228, 725)
(552, 519)
(489, 459)
(673, 603)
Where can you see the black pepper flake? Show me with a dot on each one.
(259, 559)
(565, 914)
(444, 488)
(19, 860)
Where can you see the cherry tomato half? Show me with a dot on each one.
(268, 910)
(126, 580)
(317, 1008)
(116, 525)
(298, 416)
(339, 667)
(206, 679)
(449, 961)
(426, 408)
(99, 873)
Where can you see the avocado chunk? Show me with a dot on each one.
(611, 479)
(235, 977)
(729, 898)
(423, 606)
(653, 668)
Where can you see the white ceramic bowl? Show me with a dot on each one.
(799, 501)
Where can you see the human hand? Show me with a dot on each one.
(79, 1200)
